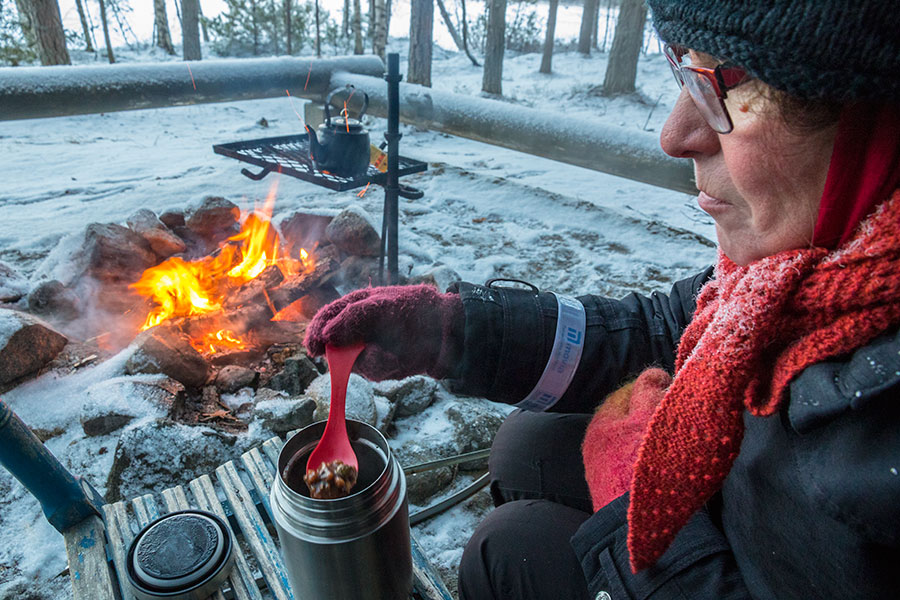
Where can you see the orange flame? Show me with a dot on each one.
(179, 288)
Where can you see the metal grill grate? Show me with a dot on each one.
(290, 155)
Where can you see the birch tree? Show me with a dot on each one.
(626, 48)
(421, 30)
(163, 37)
(494, 47)
(379, 39)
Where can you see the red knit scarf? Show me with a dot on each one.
(755, 328)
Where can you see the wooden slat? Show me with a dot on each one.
(120, 535)
(176, 499)
(244, 585)
(88, 570)
(260, 474)
(254, 530)
(271, 448)
(145, 510)
(428, 582)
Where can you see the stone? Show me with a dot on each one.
(352, 232)
(422, 486)
(360, 271)
(231, 378)
(26, 344)
(162, 454)
(13, 286)
(162, 241)
(440, 277)
(113, 403)
(213, 215)
(162, 350)
(303, 230)
(360, 398)
(172, 218)
(475, 424)
(295, 376)
(411, 395)
(112, 253)
(281, 415)
(53, 299)
(385, 410)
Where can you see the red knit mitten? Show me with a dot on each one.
(615, 433)
(407, 330)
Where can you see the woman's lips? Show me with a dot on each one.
(710, 204)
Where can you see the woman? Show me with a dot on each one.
(755, 450)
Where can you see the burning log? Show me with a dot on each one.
(255, 290)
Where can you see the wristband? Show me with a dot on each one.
(564, 358)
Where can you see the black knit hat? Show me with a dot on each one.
(827, 49)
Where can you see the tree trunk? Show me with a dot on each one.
(88, 46)
(446, 17)
(163, 37)
(626, 47)
(274, 34)
(595, 26)
(26, 22)
(319, 33)
(345, 19)
(587, 24)
(357, 27)
(370, 28)
(254, 25)
(203, 28)
(379, 40)
(48, 32)
(190, 29)
(387, 20)
(495, 45)
(105, 22)
(547, 58)
(465, 28)
(421, 29)
(287, 26)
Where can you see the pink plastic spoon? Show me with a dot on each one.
(335, 443)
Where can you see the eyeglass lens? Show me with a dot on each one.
(702, 93)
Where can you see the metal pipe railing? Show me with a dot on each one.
(36, 92)
(583, 142)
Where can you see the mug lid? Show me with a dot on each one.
(178, 554)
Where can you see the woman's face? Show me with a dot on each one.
(762, 182)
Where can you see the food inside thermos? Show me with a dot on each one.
(330, 480)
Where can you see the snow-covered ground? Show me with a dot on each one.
(486, 212)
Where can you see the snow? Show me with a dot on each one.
(486, 212)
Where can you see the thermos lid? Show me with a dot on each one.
(183, 555)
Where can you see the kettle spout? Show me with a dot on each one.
(316, 150)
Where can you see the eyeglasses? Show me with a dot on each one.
(708, 88)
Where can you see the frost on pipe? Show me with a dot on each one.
(35, 92)
(583, 142)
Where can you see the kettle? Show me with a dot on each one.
(342, 144)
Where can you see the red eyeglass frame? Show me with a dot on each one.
(722, 78)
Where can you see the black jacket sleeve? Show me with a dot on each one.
(509, 336)
(699, 565)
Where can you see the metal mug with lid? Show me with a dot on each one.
(354, 547)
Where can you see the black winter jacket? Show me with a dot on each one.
(811, 507)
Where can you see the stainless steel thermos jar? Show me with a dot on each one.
(356, 547)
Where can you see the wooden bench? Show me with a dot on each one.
(96, 552)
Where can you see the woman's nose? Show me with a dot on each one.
(686, 133)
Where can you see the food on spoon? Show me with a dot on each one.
(331, 480)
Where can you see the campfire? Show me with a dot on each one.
(247, 275)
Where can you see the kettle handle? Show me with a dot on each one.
(331, 95)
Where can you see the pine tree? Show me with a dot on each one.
(14, 47)
(495, 45)
(421, 30)
(258, 27)
(626, 48)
